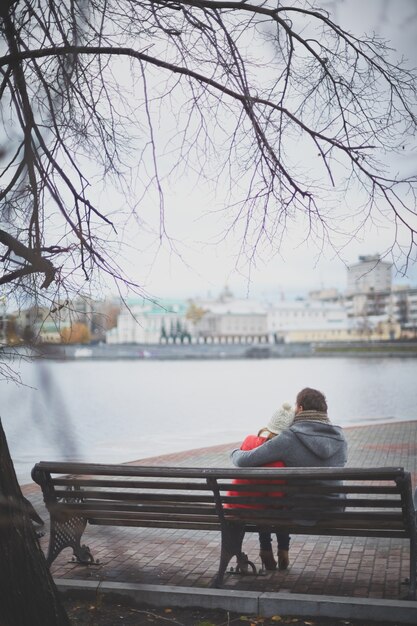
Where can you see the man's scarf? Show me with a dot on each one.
(313, 416)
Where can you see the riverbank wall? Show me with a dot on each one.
(225, 351)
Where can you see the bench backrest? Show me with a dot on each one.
(339, 501)
(123, 495)
(376, 501)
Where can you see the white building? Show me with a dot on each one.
(405, 310)
(231, 320)
(307, 320)
(372, 303)
(326, 316)
(369, 274)
(329, 294)
(411, 324)
(398, 306)
(145, 322)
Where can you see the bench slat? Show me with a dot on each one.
(87, 509)
(323, 526)
(104, 499)
(307, 503)
(130, 484)
(314, 473)
(134, 496)
(252, 499)
(160, 515)
(153, 523)
(337, 531)
(383, 489)
(170, 516)
(363, 516)
(272, 515)
(300, 530)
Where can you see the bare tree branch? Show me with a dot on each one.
(252, 81)
(37, 263)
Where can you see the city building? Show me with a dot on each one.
(373, 303)
(230, 320)
(326, 295)
(325, 316)
(146, 322)
(306, 321)
(36, 324)
(371, 295)
(405, 310)
(371, 308)
(81, 321)
(369, 274)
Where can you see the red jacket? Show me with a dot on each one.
(251, 442)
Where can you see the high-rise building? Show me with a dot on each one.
(369, 274)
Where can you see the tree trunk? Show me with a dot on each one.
(28, 596)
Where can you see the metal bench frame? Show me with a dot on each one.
(356, 502)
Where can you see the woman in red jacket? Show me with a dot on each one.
(281, 419)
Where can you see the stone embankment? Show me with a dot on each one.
(227, 351)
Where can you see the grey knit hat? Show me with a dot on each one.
(281, 419)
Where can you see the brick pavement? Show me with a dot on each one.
(334, 566)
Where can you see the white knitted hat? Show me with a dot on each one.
(281, 419)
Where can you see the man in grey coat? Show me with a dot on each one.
(311, 441)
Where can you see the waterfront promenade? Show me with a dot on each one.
(331, 566)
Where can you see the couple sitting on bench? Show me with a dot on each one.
(303, 437)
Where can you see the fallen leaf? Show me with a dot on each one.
(167, 610)
(276, 618)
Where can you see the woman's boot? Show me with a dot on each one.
(283, 559)
(267, 558)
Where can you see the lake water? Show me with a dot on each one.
(117, 411)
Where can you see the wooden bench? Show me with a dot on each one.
(369, 503)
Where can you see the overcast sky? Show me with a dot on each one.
(200, 266)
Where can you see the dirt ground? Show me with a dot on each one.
(85, 613)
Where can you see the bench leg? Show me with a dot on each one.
(66, 533)
(413, 567)
(231, 545)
